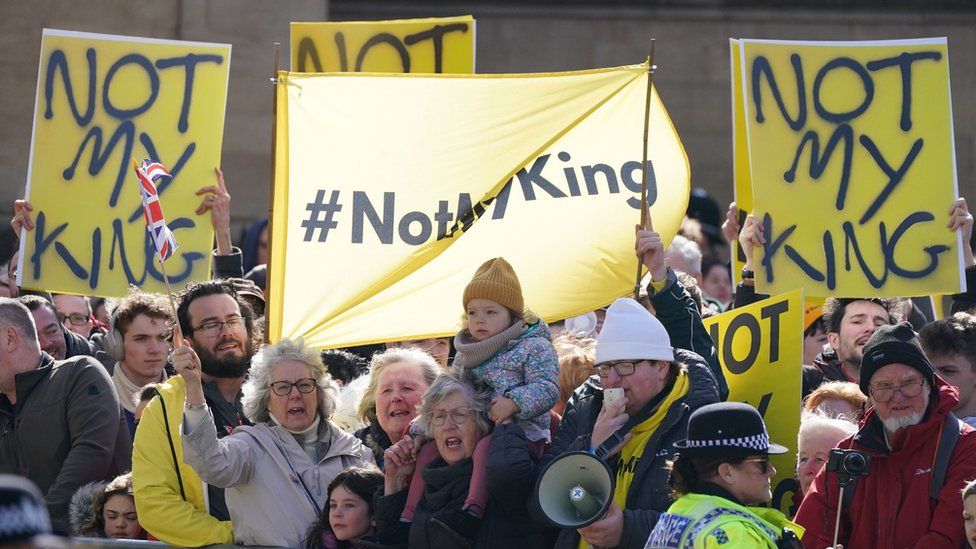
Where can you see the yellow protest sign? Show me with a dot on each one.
(760, 347)
(852, 165)
(392, 189)
(101, 101)
(434, 45)
(742, 179)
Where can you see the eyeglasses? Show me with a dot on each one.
(458, 415)
(762, 461)
(76, 319)
(623, 369)
(214, 327)
(283, 388)
(885, 392)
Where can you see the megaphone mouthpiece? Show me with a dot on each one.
(585, 504)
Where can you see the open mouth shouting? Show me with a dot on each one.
(452, 443)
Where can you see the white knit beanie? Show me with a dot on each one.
(631, 333)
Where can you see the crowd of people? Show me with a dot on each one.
(132, 420)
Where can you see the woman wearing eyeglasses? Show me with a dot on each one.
(723, 469)
(277, 472)
(454, 413)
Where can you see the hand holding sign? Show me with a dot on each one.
(961, 220)
(22, 217)
(217, 200)
(650, 250)
(730, 228)
(752, 235)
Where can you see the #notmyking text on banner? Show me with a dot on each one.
(433, 45)
(412, 181)
(102, 100)
(852, 165)
(760, 347)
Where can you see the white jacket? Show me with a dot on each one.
(258, 466)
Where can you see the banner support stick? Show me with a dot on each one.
(643, 199)
(271, 184)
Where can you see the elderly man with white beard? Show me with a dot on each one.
(910, 496)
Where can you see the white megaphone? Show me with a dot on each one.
(574, 490)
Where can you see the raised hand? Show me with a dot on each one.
(217, 200)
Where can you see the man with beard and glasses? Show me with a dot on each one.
(921, 457)
(173, 504)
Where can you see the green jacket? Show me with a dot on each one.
(699, 521)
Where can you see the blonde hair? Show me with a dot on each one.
(811, 422)
(411, 355)
(577, 357)
(839, 390)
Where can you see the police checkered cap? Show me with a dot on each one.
(754, 442)
(727, 429)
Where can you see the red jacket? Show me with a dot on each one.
(891, 507)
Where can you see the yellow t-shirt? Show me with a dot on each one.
(631, 453)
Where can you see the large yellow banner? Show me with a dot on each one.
(392, 189)
(102, 100)
(760, 347)
(434, 45)
(852, 165)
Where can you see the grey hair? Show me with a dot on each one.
(689, 252)
(811, 422)
(16, 314)
(257, 388)
(411, 355)
(448, 382)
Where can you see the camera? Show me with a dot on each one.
(848, 464)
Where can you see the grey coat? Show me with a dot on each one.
(260, 465)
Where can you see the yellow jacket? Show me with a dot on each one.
(161, 509)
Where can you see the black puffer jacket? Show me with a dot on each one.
(375, 438)
(649, 494)
(506, 522)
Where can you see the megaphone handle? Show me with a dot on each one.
(602, 450)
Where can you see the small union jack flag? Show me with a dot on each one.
(149, 173)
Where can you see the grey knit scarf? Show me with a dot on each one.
(471, 353)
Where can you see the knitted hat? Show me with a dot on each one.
(727, 429)
(631, 333)
(890, 345)
(495, 281)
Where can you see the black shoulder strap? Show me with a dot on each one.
(172, 448)
(947, 443)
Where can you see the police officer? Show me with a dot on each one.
(723, 466)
